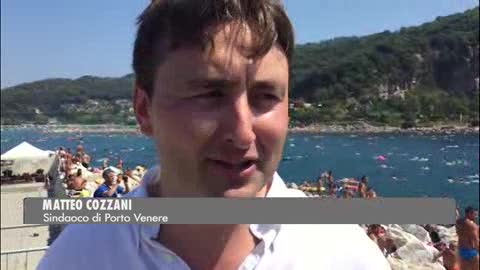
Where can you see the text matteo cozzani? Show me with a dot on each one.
(89, 204)
(101, 211)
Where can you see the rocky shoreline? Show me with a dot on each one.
(363, 127)
(357, 128)
(414, 248)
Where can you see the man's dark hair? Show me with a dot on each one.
(469, 210)
(166, 25)
(106, 173)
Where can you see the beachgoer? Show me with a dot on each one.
(319, 184)
(211, 91)
(105, 164)
(377, 233)
(350, 184)
(69, 181)
(83, 157)
(371, 194)
(62, 164)
(434, 236)
(468, 241)
(449, 257)
(330, 183)
(78, 189)
(347, 194)
(120, 164)
(362, 187)
(111, 187)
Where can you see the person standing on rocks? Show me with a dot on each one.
(467, 231)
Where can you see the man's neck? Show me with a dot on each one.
(209, 246)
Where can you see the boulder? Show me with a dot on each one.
(398, 264)
(447, 234)
(418, 231)
(412, 253)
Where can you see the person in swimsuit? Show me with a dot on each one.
(467, 231)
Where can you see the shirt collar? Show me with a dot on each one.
(266, 232)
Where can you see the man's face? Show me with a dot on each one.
(218, 119)
(110, 178)
(472, 215)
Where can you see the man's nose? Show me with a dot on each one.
(239, 123)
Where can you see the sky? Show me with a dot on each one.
(70, 39)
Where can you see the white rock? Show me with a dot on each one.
(418, 231)
(447, 234)
(412, 253)
(398, 264)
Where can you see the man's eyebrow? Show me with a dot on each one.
(268, 85)
(215, 83)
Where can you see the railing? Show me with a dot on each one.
(26, 251)
(22, 226)
(20, 251)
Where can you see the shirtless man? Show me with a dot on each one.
(467, 231)
(330, 183)
(362, 187)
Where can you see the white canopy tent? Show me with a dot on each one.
(26, 158)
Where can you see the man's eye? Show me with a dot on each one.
(211, 94)
(271, 97)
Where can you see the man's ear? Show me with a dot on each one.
(141, 106)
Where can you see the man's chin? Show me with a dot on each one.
(239, 193)
(247, 191)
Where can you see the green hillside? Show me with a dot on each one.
(419, 74)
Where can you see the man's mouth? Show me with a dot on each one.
(235, 169)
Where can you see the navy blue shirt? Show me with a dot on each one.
(104, 188)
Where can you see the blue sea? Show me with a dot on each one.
(413, 165)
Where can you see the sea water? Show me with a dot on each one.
(397, 165)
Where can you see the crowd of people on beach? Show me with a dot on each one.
(459, 255)
(111, 181)
(326, 186)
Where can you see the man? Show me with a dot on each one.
(362, 187)
(330, 183)
(110, 188)
(212, 93)
(449, 257)
(468, 241)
